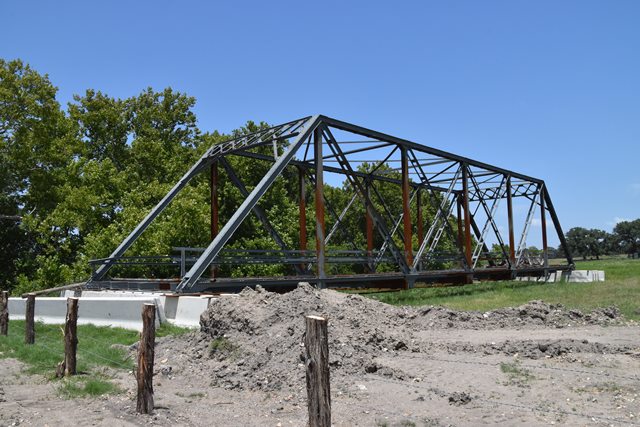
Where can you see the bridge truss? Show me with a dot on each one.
(452, 209)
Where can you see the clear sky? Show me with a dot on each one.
(547, 88)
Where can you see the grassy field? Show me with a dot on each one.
(621, 288)
(96, 351)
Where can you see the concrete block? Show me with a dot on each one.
(123, 312)
(575, 276)
(188, 310)
(584, 276)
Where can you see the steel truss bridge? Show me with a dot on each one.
(445, 198)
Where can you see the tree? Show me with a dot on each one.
(627, 235)
(588, 242)
(34, 149)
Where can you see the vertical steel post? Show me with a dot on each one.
(302, 205)
(467, 214)
(420, 220)
(419, 215)
(369, 226)
(543, 224)
(459, 214)
(215, 220)
(319, 202)
(512, 239)
(406, 208)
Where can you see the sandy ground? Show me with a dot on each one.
(460, 376)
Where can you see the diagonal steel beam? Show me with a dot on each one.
(359, 188)
(525, 231)
(556, 224)
(335, 215)
(396, 226)
(257, 210)
(194, 274)
(202, 163)
(440, 212)
(490, 212)
(359, 130)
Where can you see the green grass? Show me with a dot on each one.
(94, 347)
(516, 374)
(96, 350)
(79, 386)
(166, 329)
(621, 288)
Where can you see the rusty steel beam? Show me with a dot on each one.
(419, 215)
(459, 221)
(297, 137)
(319, 203)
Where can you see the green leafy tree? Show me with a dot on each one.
(588, 242)
(627, 236)
(35, 147)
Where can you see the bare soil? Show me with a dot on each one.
(537, 364)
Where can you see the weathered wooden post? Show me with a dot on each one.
(145, 359)
(68, 365)
(30, 312)
(4, 312)
(316, 343)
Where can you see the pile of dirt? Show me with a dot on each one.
(532, 314)
(536, 349)
(255, 340)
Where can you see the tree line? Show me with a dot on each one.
(593, 243)
(76, 179)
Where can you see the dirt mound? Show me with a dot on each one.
(262, 333)
(255, 340)
(532, 314)
(536, 349)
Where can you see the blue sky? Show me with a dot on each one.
(547, 88)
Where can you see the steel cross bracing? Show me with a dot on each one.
(401, 187)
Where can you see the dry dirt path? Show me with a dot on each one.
(463, 378)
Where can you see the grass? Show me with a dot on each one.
(517, 374)
(98, 347)
(94, 347)
(224, 348)
(166, 329)
(79, 386)
(621, 288)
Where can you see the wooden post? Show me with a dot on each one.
(316, 343)
(30, 330)
(145, 359)
(4, 312)
(71, 337)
